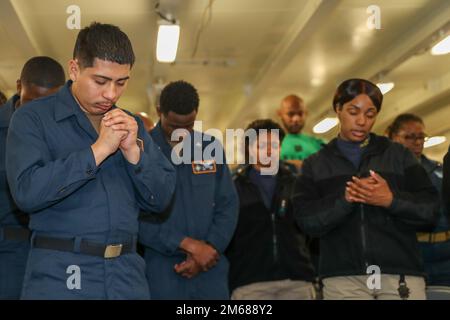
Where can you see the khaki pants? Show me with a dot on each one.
(355, 288)
(275, 290)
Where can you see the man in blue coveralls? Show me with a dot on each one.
(40, 76)
(184, 251)
(3, 99)
(84, 169)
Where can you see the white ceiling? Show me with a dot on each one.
(254, 52)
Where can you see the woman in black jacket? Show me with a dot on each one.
(364, 197)
(269, 259)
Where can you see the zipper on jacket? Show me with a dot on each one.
(362, 213)
(364, 236)
(274, 239)
(363, 218)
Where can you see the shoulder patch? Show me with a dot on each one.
(202, 167)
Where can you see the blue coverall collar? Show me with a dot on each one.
(70, 104)
(160, 138)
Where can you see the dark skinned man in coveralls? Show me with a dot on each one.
(184, 252)
(40, 77)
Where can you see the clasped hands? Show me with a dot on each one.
(118, 130)
(200, 256)
(373, 190)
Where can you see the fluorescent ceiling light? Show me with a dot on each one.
(385, 87)
(434, 141)
(167, 43)
(325, 125)
(443, 47)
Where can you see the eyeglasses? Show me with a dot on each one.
(413, 137)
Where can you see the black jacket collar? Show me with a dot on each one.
(242, 172)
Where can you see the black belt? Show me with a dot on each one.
(16, 234)
(89, 248)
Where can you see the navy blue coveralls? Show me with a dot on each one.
(52, 174)
(205, 207)
(13, 247)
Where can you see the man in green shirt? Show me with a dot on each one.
(296, 146)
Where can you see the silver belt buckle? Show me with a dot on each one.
(113, 251)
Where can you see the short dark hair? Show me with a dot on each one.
(399, 121)
(267, 124)
(3, 98)
(43, 72)
(179, 97)
(105, 42)
(351, 88)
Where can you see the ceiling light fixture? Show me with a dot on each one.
(325, 125)
(434, 141)
(443, 47)
(168, 36)
(386, 87)
(167, 43)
